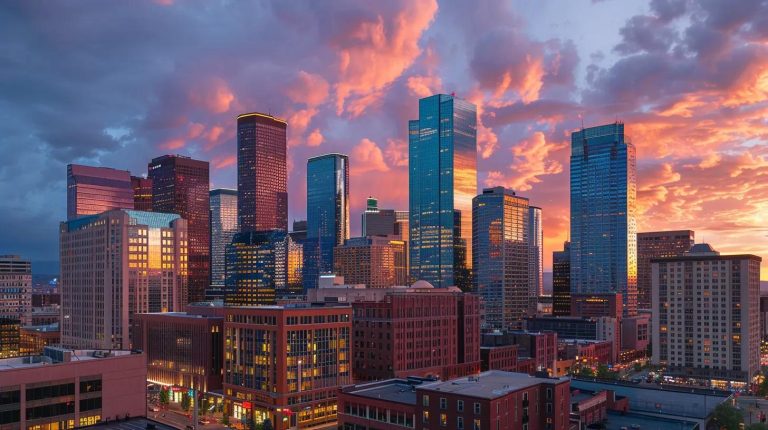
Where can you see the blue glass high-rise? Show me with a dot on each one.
(327, 213)
(442, 157)
(603, 213)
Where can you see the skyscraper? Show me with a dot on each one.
(442, 158)
(723, 349)
(256, 267)
(501, 257)
(142, 193)
(603, 212)
(16, 289)
(536, 251)
(372, 208)
(561, 281)
(180, 185)
(327, 213)
(262, 197)
(658, 244)
(92, 190)
(114, 265)
(223, 228)
(376, 261)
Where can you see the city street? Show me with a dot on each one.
(179, 420)
(751, 408)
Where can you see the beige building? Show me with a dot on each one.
(705, 321)
(15, 288)
(377, 262)
(117, 264)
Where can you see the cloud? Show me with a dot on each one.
(309, 89)
(214, 95)
(366, 157)
(532, 160)
(173, 144)
(315, 138)
(424, 86)
(396, 152)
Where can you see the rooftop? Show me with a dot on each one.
(54, 355)
(393, 390)
(617, 421)
(490, 384)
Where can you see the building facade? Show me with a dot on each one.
(442, 163)
(706, 321)
(93, 190)
(34, 339)
(657, 244)
(142, 193)
(67, 389)
(561, 281)
(182, 349)
(578, 328)
(223, 228)
(536, 251)
(327, 213)
(115, 265)
(262, 179)
(603, 213)
(10, 341)
(597, 305)
(180, 185)
(256, 264)
(501, 257)
(286, 363)
(376, 261)
(16, 288)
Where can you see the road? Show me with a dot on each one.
(751, 408)
(179, 421)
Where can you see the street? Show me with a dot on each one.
(178, 420)
(751, 408)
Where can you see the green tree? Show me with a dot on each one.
(725, 415)
(165, 396)
(638, 367)
(757, 426)
(225, 419)
(762, 389)
(267, 424)
(586, 372)
(186, 402)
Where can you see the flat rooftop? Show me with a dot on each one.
(489, 385)
(393, 390)
(617, 421)
(76, 356)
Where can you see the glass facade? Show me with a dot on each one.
(261, 173)
(223, 228)
(603, 213)
(256, 267)
(501, 257)
(442, 158)
(181, 185)
(93, 190)
(561, 281)
(536, 251)
(142, 193)
(327, 213)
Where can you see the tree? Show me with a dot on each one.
(604, 373)
(267, 424)
(757, 426)
(165, 396)
(725, 415)
(762, 389)
(225, 419)
(186, 402)
(586, 372)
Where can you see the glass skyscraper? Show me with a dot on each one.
(603, 213)
(256, 263)
(536, 252)
(501, 257)
(442, 157)
(93, 190)
(561, 281)
(262, 179)
(327, 213)
(223, 228)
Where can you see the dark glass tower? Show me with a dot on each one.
(327, 213)
(142, 193)
(180, 185)
(256, 264)
(501, 257)
(93, 190)
(442, 181)
(561, 281)
(262, 197)
(603, 214)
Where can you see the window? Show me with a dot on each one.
(477, 408)
(476, 425)
(425, 417)
(460, 405)
(443, 420)
(549, 394)
(460, 423)
(425, 401)
(443, 403)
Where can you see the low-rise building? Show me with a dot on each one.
(587, 328)
(64, 388)
(34, 339)
(591, 352)
(9, 337)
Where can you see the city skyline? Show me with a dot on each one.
(694, 110)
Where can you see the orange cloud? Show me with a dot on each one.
(222, 162)
(533, 159)
(374, 53)
(308, 88)
(487, 141)
(299, 120)
(194, 130)
(172, 144)
(366, 156)
(315, 138)
(424, 86)
(396, 152)
(214, 96)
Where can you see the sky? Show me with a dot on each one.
(118, 83)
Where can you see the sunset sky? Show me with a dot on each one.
(117, 83)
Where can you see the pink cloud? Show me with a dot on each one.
(194, 130)
(396, 152)
(225, 161)
(172, 144)
(309, 89)
(213, 95)
(424, 86)
(374, 52)
(366, 156)
(533, 159)
(315, 138)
